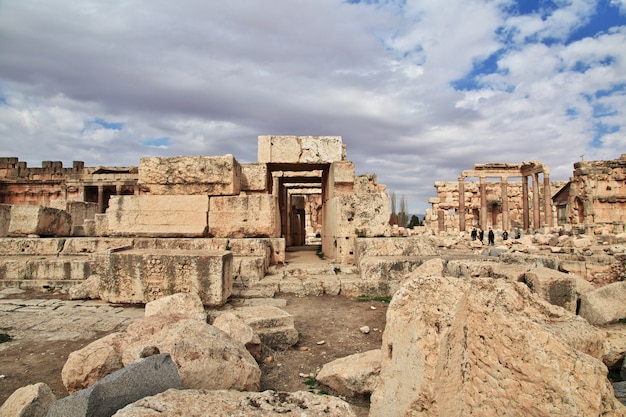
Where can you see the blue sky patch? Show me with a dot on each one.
(479, 68)
(157, 143)
(606, 16)
(109, 125)
(602, 129)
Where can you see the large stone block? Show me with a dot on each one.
(244, 216)
(38, 220)
(254, 177)
(300, 149)
(341, 178)
(158, 215)
(605, 304)
(190, 175)
(141, 276)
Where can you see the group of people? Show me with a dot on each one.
(480, 235)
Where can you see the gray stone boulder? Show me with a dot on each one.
(241, 404)
(150, 376)
(604, 305)
(484, 347)
(29, 401)
(352, 375)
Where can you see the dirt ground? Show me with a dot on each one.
(328, 327)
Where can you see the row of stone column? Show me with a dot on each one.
(547, 199)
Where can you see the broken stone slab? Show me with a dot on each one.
(605, 304)
(274, 326)
(29, 401)
(254, 215)
(27, 220)
(614, 340)
(480, 346)
(243, 404)
(157, 215)
(31, 246)
(240, 331)
(557, 287)
(179, 304)
(352, 375)
(147, 377)
(190, 175)
(141, 276)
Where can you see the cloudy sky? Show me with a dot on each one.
(418, 89)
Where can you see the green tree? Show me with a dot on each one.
(415, 221)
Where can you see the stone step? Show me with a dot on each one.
(45, 268)
(274, 326)
(299, 269)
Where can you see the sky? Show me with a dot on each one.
(419, 90)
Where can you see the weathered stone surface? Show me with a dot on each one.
(384, 246)
(614, 340)
(141, 276)
(604, 305)
(207, 357)
(37, 220)
(147, 377)
(194, 403)
(556, 287)
(180, 304)
(87, 289)
(253, 177)
(90, 364)
(482, 347)
(190, 175)
(620, 391)
(274, 326)
(29, 401)
(253, 215)
(240, 331)
(354, 374)
(158, 215)
(300, 149)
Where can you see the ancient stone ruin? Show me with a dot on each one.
(528, 326)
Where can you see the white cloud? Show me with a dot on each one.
(209, 77)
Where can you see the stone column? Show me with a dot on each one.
(547, 200)
(461, 204)
(525, 214)
(505, 204)
(100, 198)
(536, 214)
(483, 203)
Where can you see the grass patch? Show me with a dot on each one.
(368, 298)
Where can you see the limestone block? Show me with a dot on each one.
(179, 304)
(33, 269)
(614, 339)
(341, 178)
(31, 246)
(300, 149)
(244, 216)
(483, 347)
(190, 175)
(86, 245)
(556, 287)
(354, 374)
(244, 404)
(90, 364)
(274, 326)
(150, 376)
(38, 220)
(604, 305)
(241, 331)
(29, 401)
(253, 177)
(141, 276)
(394, 246)
(206, 357)
(158, 215)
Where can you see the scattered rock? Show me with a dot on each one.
(483, 347)
(604, 305)
(29, 401)
(364, 329)
(321, 342)
(354, 374)
(234, 403)
(184, 304)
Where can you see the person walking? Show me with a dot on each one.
(491, 237)
(481, 235)
(474, 233)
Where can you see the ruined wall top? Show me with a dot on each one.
(506, 170)
(13, 168)
(301, 149)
